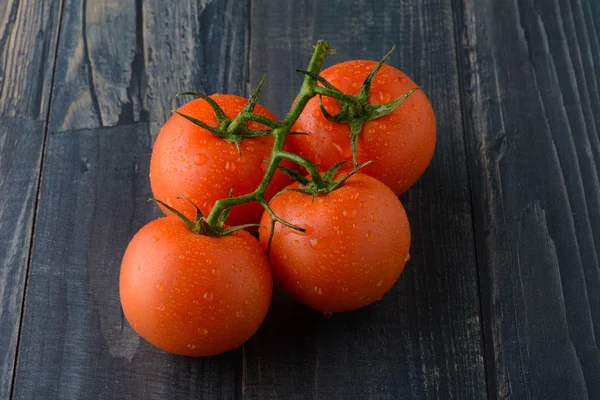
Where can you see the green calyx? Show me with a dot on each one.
(356, 110)
(319, 187)
(199, 224)
(233, 130)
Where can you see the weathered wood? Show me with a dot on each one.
(28, 31)
(119, 65)
(422, 340)
(530, 76)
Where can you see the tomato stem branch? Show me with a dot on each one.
(280, 132)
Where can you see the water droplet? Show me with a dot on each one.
(239, 313)
(345, 289)
(320, 243)
(200, 159)
(345, 151)
(316, 113)
(380, 282)
(202, 332)
(372, 217)
(318, 290)
(155, 239)
(169, 202)
(385, 97)
(421, 120)
(161, 307)
(349, 213)
(230, 166)
(355, 196)
(327, 315)
(191, 346)
(160, 287)
(214, 271)
(407, 257)
(364, 204)
(370, 236)
(295, 242)
(329, 127)
(323, 139)
(209, 296)
(311, 211)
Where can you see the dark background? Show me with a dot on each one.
(501, 298)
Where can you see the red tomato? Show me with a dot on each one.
(189, 161)
(355, 246)
(191, 294)
(401, 143)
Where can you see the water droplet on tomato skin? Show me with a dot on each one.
(295, 242)
(202, 331)
(407, 258)
(160, 287)
(161, 307)
(385, 97)
(327, 315)
(320, 243)
(230, 166)
(200, 159)
(209, 296)
(318, 290)
(345, 290)
(191, 346)
(380, 282)
(239, 313)
(370, 236)
(349, 213)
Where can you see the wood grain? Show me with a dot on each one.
(118, 66)
(422, 340)
(529, 72)
(28, 31)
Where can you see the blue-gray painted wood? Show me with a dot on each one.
(530, 79)
(28, 32)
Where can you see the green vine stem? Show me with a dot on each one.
(280, 133)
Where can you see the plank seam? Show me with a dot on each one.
(461, 93)
(37, 198)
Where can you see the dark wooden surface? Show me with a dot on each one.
(501, 298)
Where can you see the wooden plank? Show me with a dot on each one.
(28, 31)
(422, 340)
(119, 64)
(529, 73)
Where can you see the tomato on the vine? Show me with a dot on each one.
(189, 161)
(401, 143)
(355, 246)
(193, 294)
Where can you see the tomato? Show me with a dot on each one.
(401, 143)
(191, 294)
(355, 246)
(189, 161)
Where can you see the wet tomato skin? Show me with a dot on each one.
(190, 161)
(354, 249)
(400, 143)
(194, 295)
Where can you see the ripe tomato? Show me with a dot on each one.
(401, 143)
(191, 294)
(355, 246)
(189, 161)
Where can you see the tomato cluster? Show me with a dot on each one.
(197, 282)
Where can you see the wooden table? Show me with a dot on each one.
(502, 296)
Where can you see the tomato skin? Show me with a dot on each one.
(194, 295)
(189, 161)
(401, 143)
(355, 246)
